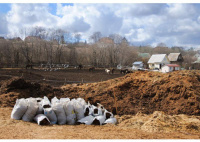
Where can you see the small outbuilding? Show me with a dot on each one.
(175, 58)
(170, 68)
(137, 65)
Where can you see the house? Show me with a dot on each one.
(175, 58)
(170, 68)
(137, 65)
(144, 55)
(157, 61)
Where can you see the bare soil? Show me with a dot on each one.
(128, 127)
(59, 77)
(148, 105)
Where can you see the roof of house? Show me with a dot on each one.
(172, 65)
(137, 62)
(173, 56)
(156, 58)
(144, 55)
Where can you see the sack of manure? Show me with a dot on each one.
(50, 114)
(86, 120)
(19, 109)
(41, 119)
(112, 120)
(60, 113)
(31, 111)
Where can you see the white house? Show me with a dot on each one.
(170, 68)
(137, 65)
(157, 61)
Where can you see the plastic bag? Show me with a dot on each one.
(55, 100)
(88, 110)
(86, 120)
(108, 114)
(82, 102)
(50, 114)
(46, 103)
(41, 119)
(78, 108)
(96, 111)
(60, 113)
(19, 109)
(112, 120)
(71, 116)
(99, 120)
(31, 111)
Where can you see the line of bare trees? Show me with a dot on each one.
(50, 46)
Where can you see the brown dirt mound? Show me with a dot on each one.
(173, 93)
(161, 122)
(19, 88)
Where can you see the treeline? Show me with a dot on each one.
(42, 46)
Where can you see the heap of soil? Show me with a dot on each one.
(177, 92)
(173, 93)
(16, 88)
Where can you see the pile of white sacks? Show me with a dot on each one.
(63, 111)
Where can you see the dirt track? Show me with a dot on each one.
(18, 129)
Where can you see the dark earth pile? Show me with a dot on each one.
(173, 93)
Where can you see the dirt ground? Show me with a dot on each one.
(148, 105)
(60, 77)
(128, 128)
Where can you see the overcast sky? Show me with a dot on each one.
(142, 24)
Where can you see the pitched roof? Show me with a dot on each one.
(172, 65)
(173, 56)
(156, 58)
(137, 62)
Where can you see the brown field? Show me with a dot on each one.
(148, 105)
(60, 77)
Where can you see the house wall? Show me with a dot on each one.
(165, 69)
(155, 65)
(169, 69)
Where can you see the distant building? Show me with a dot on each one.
(137, 65)
(2, 37)
(157, 61)
(170, 68)
(144, 55)
(175, 58)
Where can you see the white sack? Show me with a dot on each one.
(55, 100)
(31, 111)
(50, 114)
(64, 100)
(41, 119)
(60, 113)
(19, 109)
(88, 110)
(99, 120)
(46, 103)
(108, 114)
(86, 120)
(71, 116)
(96, 111)
(78, 108)
(40, 108)
(112, 120)
(101, 107)
(82, 102)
